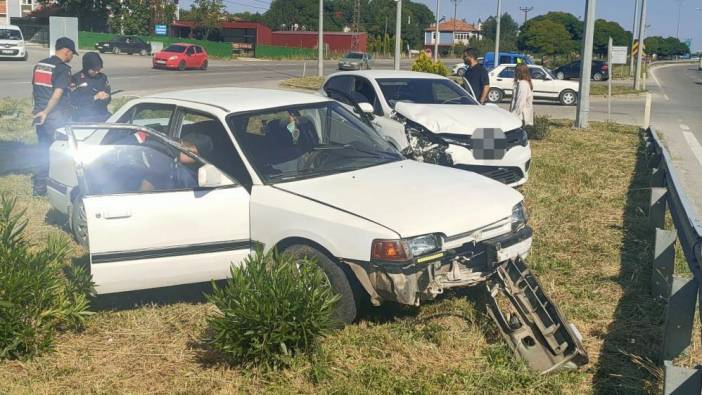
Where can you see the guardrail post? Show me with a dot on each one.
(658, 176)
(663, 263)
(681, 381)
(679, 317)
(657, 206)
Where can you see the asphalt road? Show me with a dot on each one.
(134, 75)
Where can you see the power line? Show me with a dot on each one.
(526, 11)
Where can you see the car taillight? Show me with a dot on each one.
(604, 67)
(389, 250)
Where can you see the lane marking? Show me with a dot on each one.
(684, 127)
(656, 79)
(694, 146)
(666, 97)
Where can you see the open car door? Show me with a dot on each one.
(156, 214)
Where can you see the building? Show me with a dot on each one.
(16, 9)
(451, 32)
(333, 41)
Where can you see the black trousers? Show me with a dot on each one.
(45, 137)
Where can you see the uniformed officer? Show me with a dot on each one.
(91, 91)
(52, 109)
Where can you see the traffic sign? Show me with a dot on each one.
(619, 54)
(161, 30)
(635, 48)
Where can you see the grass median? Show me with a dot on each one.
(586, 197)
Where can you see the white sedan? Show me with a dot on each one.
(432, 119)
(546, 86)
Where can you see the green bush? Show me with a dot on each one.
(39, 293)
(273, 307)
(426, 65)
(275, 52)
(541, 128)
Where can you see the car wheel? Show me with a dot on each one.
(347, 306)
(495, 95)
(116, 51)
(79, 222)
(143, 52)
(560, 75)
(181, 65)
(568, 97)
(204, 65)
(598, 77)
(461, 72)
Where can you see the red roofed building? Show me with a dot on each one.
(451, 32)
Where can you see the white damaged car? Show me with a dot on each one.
(432, 119)
(185, 184)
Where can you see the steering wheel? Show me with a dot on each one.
(311, 160)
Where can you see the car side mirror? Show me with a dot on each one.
(366, 107)
(209, 176)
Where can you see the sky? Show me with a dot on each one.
(662, 15)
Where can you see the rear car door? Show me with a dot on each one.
(157, 215)
(544, 86)
(505, 80)
(190, 57)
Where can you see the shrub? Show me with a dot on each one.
(37, 298)
(273, 307)
(426, 65)
(541, 128)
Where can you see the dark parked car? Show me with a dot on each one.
(125, 44)
(600, 71)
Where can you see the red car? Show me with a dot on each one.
(181, 56)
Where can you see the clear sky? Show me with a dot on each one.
(662, 14)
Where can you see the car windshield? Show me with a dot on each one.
(549, 73)
(307, 141)
(423, 91)
(353, 55)
(175, 48)
(10, 34)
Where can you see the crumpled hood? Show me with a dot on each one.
(458, 118)
(413, 198)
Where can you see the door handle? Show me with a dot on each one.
(116, 214)
(499, 79)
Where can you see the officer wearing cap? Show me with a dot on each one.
(52, 110)
(91, 91)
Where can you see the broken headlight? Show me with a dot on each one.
(519, 217)
(403, 250)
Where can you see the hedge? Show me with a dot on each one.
(273, 52)
(216, 49)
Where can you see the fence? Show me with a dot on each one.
(87, 40)
(682, 293)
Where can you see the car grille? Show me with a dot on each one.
(513, 137)
(505, 175)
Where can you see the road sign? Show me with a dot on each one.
(619, 54)
(635, 48)
(161, 30)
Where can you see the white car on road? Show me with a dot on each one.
(432, 119)
(189, 183)
(12, 44)
(546, 86)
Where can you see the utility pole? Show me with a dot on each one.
(497, 33)
(356, 28)
(642, 33)
(436, 41)
(526, 11)
(677, 28)
(398, 34)
(455, 13)
(320, 41)
(583, 113)
(633, 37)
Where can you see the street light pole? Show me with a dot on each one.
(583, 113)
(633, 37)
(398, 34)
(677, 28)
(497, 33)
(436, 40)
(320, 41)
(642, 32)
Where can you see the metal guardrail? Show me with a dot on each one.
(681, 293)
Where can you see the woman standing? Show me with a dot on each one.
(523, 97)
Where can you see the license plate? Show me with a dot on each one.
(161, 61)
(105, 45)
(5, 51)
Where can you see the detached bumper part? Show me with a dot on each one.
(530, 322)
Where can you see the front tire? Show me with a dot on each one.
(116, 51)
(495, 95)
(181, 65)
(560, 75)
(568, 97)
(461, 72)
(143, 52)
(79, 222)
(346, 308)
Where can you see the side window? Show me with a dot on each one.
(508, 72)
(536, 73)
(153, 115)
(340, 83)
(443, 93)
(198, 50)
(208, 138)
(363, 91)
(505, 59)
(190, 51)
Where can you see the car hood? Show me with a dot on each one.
(164, 54)
(11, 42)
(350, 60)
(413, 198)
(458, 118)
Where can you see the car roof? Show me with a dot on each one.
(241, 99)
(375, 74)
(9, 27)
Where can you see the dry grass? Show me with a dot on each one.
(617, 90)
(592, 244)
(311, 83)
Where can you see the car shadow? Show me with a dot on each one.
(17, 157)
(632, 340)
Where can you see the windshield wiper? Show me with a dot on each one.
(338, 146)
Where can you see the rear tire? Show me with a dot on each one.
(116, 51)
(181, 65)
(495, 95)
(347, 307)
(143, 52)
(461, 72)
(598, 77)
(568, 97)
(79, 222)
(204, 65)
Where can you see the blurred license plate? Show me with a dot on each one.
(161, 61)
(6, 51)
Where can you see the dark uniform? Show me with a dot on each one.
(478, 78)
(86, 107)
(49, 74)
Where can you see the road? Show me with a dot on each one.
(134, 75)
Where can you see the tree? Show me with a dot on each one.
(206, 14)
(665, 47)
(572, 29)
(546, 37)
(508, 31)
(132, 16)
(92, 14)
(606, 29)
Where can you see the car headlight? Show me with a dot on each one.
(174, 57)
(519, 217)
(404, 249)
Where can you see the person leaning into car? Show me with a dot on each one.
(91, 91)
(51, 79)
(476, 75)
